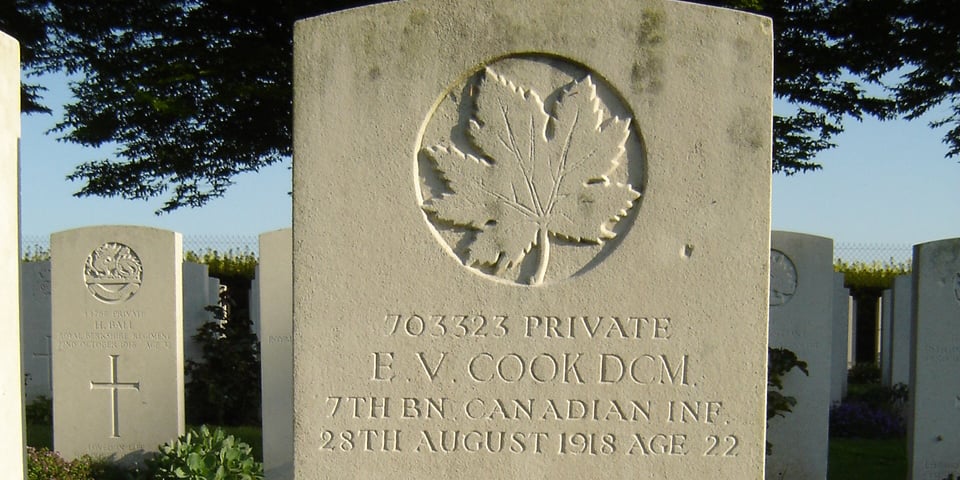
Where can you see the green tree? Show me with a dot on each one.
(194, 92)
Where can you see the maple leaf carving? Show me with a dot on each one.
(542, 174)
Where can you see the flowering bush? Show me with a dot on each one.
(43, 464)
(863, 420)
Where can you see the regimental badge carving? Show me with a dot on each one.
(43, 280)
(113, 273)
(783, 278)
(530, 173)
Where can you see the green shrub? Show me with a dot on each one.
(40, 411)
(43, 464)
(863, 373)
(876, 275)
(205, 455)
(229, 264)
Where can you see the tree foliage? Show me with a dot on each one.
(194, 92)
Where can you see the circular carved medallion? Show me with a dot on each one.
(113, 273)
(783, 278)
(527, 168)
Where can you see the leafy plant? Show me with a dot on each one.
(541, 175)
(40, 411)
(205, 455)
(875, 275)
(864, 420)
(780, 362)
(35, 253)
(44, 464)
(224, 386)
(864, 373)
(228, 264)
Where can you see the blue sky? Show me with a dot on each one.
(886, 182)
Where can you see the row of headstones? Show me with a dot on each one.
(199, 293)
(811, 314)
(111, 319)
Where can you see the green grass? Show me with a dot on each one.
(874, 459)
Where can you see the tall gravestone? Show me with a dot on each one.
(276, 352)
(902, 330)
(118, 341)
(933, 435)
(840, 339)
(531, 240)
(886, 336)
(35, 327)
(196, 297)
(253, 300)
(801, 313)
(11, 375)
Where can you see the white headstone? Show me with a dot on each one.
(12, 451)
(902, 330)
(886, 336)
(481, 291)
(801, 312)
(118, 341)
(253, 300)
(213, 289)
(35, 327)
(196, 297)
(933, 436)
(840, 336)
(276, 352)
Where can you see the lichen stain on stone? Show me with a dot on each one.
(647, 72)
(745, 131)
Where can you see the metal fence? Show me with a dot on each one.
(237, 244)
(884, 253)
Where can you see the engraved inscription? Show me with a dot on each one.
(477, 397)
(783, 278)
(114, 385)
(113, 273)
(526, 170)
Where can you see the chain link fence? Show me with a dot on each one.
(237, 244)
(869, 253)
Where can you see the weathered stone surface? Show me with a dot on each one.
(841, 339)
(35, 329)
(932, 436)
(118, 341)
(801, 313)
(276, 352)
(902, 334)
(11, 375)
(196, 295)
(478, 290)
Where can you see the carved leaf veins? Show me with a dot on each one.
(541, 175)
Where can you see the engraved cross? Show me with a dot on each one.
(48, 359)
(115, 386)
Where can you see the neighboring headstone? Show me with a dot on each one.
(196, 297)
(902, 330)
(841, 338)
(253, 300)
(801, 312)
(276, 352)
(213, 289)
(933, 436)
(118, 341)
(12, 444)
(480, 291)
(35, 328)
(886, 336)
